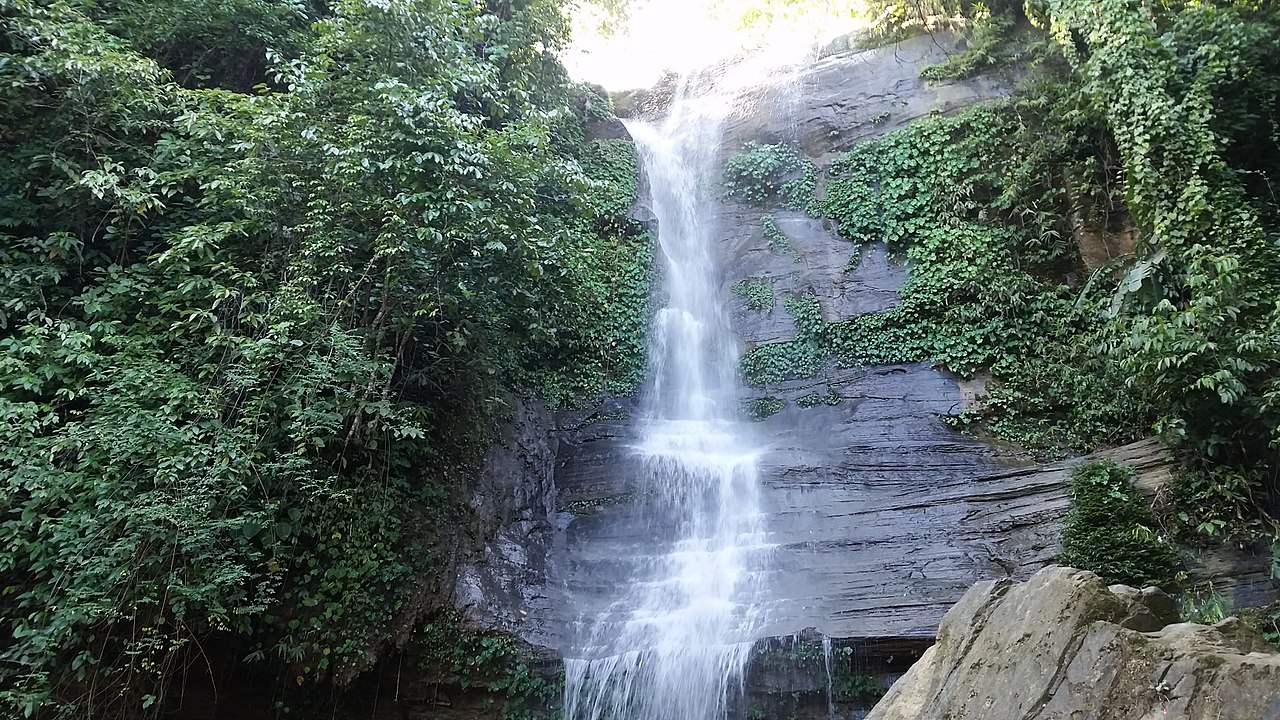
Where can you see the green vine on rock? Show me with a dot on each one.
(778, 240)
(494, 663)
(763, 175)
(989, 44)
(613, 167)
(950, 196)
(812, 400)
(1197, 323)
(772, 363)
(757, 292)
(763, 408)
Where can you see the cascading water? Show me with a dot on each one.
(674, 644)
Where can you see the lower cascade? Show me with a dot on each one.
(673, 643)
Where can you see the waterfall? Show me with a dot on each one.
(826, 665)
(674, 643)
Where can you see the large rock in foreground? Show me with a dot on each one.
(1062, 645)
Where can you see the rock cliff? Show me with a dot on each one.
(882, 515)
(830, 105)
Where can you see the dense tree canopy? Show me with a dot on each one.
(268, 268)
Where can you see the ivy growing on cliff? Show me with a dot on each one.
(951, 197)
(989, 44)
(1197, 317)
(763, 408)
(1183, 100)
(1159, 120)
(770, 174)
(778, 240)
(467, 659)
(986, 26)
(757, 292)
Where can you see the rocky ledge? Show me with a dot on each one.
(1064, 645)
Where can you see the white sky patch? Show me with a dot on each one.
(680, 35)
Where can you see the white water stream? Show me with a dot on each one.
(674, 643)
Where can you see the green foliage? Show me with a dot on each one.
(222, 44)
(989, 45)
(763, 408)
(1265, 619)
(1203, 605)
(848, 680)
(831, 397)
(601, 346)
(895, 20)
(757, 292)
(1108, 529)
(612, 164)
(959, 203)
(770, 174)
(757, 20)
(1219, 503)
(892, 189)
(778, 241)
(586, 507)
(1196, 319)
(252, 342)
(857, 686)
(465, 658)
(1174, 126)
(1052, 408)
(774, 362)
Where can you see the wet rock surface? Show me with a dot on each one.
(846, 280)
(803, 676)
(882, 516)
(1057, 646)
(503, 573)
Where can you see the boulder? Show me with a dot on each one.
(1056, 647)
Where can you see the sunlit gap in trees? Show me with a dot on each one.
(625, 44)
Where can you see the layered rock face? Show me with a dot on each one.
(1063, 645)
(840, 100)
(502, 579)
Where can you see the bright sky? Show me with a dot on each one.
(680, 35)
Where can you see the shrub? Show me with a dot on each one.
(1108, 529)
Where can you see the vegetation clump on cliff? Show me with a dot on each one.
(762, 174)
(986, 291)
(1110, 530)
